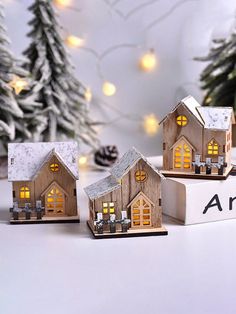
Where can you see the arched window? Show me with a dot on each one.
(213, 148)
(54, 167)
(140, 175)
(24, 192)
(181, 120)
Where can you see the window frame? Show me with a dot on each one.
(110, 209)
(54, 167)
(210, 151)
(181, 120)
(23, 192)
(139, 174)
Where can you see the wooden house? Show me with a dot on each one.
(128, 201)
(43, 177)
(197, 140)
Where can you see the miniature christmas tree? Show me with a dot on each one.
(64, 112)
(11, 114)
(219, 77)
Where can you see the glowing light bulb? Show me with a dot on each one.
(74, 41)
(108, 89)
(208, 100)
(150, 124)
(83, 161)
(18, 84)
(148, 61)
(88, 94)
(62, 3)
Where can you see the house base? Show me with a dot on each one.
(130, 233)
(193, 175)
(46, 220)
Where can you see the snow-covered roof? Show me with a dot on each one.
(122, 167)
(217, 118)
(130, 158)
(102, 187)
(26, 159)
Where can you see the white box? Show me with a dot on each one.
(196, 201)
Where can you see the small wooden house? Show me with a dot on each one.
(197, 140)
(128, 201)
(43, 177)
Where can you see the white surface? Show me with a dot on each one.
(47, 269)
(189, 197)
(177, 39)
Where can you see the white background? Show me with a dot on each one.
(184, 34)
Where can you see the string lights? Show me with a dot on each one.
(83, 161)
(108, 88)
(150, 124)
(148, 61)
(74, 41)
(18, 84)
(88, 94)
(62, 3)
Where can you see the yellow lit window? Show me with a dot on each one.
(54, 167)
(140, 176)
(212, 148)
(181, 120)
(24, 192)
(108, 207)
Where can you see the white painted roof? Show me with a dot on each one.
(26, 159)
(102, 187)
(217, 118)
(130, 158)
(122, 167)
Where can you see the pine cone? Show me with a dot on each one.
(106, 156)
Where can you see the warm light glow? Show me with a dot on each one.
(213, 148)
(62, 3)
(208, 100)
(150, 124)
(74, 41)
(18, 84)
(108, 89)
(148, 61)
(88, 94)
(181, 120)
(83, 160)
(24, 192)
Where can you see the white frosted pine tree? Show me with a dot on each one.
(64, 113)
(12, 126)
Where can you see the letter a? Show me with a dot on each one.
(213, 202)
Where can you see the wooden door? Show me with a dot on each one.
(141, 213)
(54, 202)
(182, 156)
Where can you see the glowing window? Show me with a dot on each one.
(108, 207)
(24, 192)
(140, 176)
(212, 148)
(54, 167)
(181, 120)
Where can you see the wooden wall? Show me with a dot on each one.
(43, 181)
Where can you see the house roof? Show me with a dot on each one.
(130, 158)
(112, 182)
(102, 187)
(216, 118)
(26, 159)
